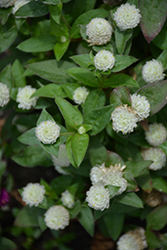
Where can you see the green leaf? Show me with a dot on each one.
(130, 199)
(121, 39)
(71, 114)
(99, 118)
(119, 80)
(161, 40)
(85, 217)
(59, 30)
(163, 59)
(82, 60)
(18, 74)
(75, 210)
(6, 76)
(4, 14)
(113, 158)
(84, 76)
(61, 183)
(44, 116)
(113, 190)
(2, 168)
(54, 2)
(52, 70)
(153, 14)
(38, 44)
(29, 138)
(27, 217)
(69, 152)
(114, 224)
(157, 219)
(159, 183)
(70, 88)
(120, 95)
(152, 240)
(60, 48)
(145, 182)
(55, 11)
(32, 9)
(136, 168)
(122, 62)
(156, 94)
(7, 38)
(79, 145)
(163, 146)
(97, 152)
(50, 90)
(52, 149)
(7, 244)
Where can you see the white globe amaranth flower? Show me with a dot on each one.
(127, 16)
(132, 240)
(4, 94)
(104, 60)
(18, 4)
(99, 31)
(62, 160)
(97, 173)
(98, 197)
(33, 194)
(57, 217)
(156, 155)
(152, 71)
(67, 199)
(156, 135)
(124, 119)
(80, 95)
(24, 97)
(47, 132)
(6, 3)
(141, 105)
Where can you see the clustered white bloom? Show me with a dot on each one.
(156, 134)
(141, 105)
(134, 239)
(67, 199)
(98, 197)
(104, 60)
(62, 160)
(4, 94)
(97, 173)
(152, 71)
(57, 217)
(33, 194)
(24, 97)
(80, 95)
(99, 31)
(18, 4)
(6, 3)
(47, 132)
(156, 155)
(127, 16)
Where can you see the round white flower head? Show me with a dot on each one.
(62, 160)
(152, 71)
(98, 197)
(153, 199)
(67, 199)
(57, 217)
(99, 31)
(156, 155)
(23, 97)
(33, 194)
(80, 95)
(18, 4)
(127, 16)
(156, 135)
(4, 94)
(141, 105)
(114, 176)
(47, 132)
(124, 119)
(6, 3)
(104, 60)
(97, 173)
(134, 240)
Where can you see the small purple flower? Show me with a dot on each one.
(4, 197)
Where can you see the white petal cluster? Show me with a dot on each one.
(57, 217)
(141, 105)
(62, 160)
(124, 119)
(104, 60)
(99, 31)
(47, 132)
(98, 197)
(152, 71)
(4, 94)
(80, 95)
(156, 155)
(97, 173)
(6, 3)
(67, 199)
(18, 4)
(134, 240)
(33, 194)
(156, 134)
(127, 16)
(23, 97)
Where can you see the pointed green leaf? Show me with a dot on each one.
(136, 168)
(121, 38)
(159, 183)
(157, 219)
(6, 76)
(82, 60)
(27, 217)
(70, 152)
(7, 244)
(60, 48)
(145, 182)
(50, 90)
(122, 62)
(130, 199)
(7, 38)
(120, 80)
(114, 224)
(85, 217)
(18, 74)
(55, 11)
(29, 138)
(120, 95)
(97, 152)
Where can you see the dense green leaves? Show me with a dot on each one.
(120, 95)
(27, 217)
(50, 90)
(121, 39)
(130, 199)
(120, 80)
(82, 60)
(137, 168)
(157, 219)
(114, 224)
(7, 38)
(86, 219)
(122, 62)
